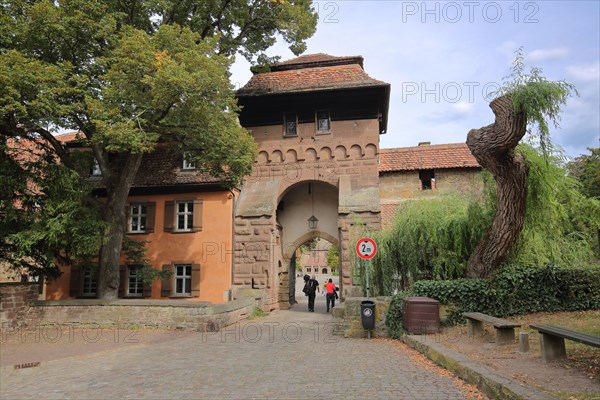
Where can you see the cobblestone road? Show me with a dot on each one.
(286, 355)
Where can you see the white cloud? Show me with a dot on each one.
(538, 55)
(463, 108)
(585, 73)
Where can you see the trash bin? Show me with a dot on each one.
(421, 315)
(367, 314)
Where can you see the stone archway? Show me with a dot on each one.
(296, 205)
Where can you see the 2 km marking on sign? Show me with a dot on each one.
(366, 248)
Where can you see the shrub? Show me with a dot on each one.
(516, 290)
(393, 318)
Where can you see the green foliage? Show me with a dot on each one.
(394, 315)
(518, 290)
(429, 239)
(539, 99)
(433, 238)
(586, 170)
(560, 223)
(257, 313)
(43, 216)
(333, 258)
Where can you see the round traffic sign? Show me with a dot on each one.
(366, 248)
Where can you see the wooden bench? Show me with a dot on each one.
(552, 340)
(505, 330)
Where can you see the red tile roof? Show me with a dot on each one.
(310, 73)
(318, 59)
(69, 137)
(455, 155)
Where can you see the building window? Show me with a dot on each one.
(89, 283)
(185, 215)
(290, 122)
(323, 122)
(427, 179)
(137, 222)
(183, 279)
(187, 164)
(96, 169)
(135, 286)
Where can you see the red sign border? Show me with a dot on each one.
(368, 239)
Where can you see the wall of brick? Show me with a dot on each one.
(126, 314)
(15, 301)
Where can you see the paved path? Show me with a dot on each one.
(286, 355)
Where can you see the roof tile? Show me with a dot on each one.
(455, 155)
(311, 73)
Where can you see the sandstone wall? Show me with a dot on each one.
(15, 301)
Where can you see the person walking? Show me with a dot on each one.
(313, 287)
(330, 290)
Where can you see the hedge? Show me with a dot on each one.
(513, 291)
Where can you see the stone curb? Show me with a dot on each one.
(494, 384)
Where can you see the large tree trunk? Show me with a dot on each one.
(116, 217)
(494, 148)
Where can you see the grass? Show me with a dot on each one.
(257, 313)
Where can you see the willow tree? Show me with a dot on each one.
(524, 103)
(129, 75)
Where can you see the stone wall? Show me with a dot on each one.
(271, 216)
(347, 318)
(15, 301)
(403, 185)
(128, 314)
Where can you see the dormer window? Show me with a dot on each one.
(290, 124)
(187, 164)
(323, 122)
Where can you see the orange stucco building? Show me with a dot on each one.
(186, 220)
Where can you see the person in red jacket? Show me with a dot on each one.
(331, 294)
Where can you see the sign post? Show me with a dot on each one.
(366, 248)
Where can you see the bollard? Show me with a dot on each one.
(523, 342)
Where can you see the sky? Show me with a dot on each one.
(443, 58)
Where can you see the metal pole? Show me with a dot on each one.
(367, 276)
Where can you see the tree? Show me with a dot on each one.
(134, 75)
(586, 169)
(42, 213)
(525, 101)
(333, 258)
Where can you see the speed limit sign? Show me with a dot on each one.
(366, 248)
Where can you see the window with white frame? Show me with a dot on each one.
(89, 283)
(135, 286)
(185, 215)
(187, 164)
(323, 122)
(290, 122)
(183, 279)
(137, 218)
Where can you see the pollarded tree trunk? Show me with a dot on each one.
(494, 148)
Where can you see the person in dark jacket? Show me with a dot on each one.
(313, 288)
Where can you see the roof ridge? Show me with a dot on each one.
(316, 60)
(424, 147)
